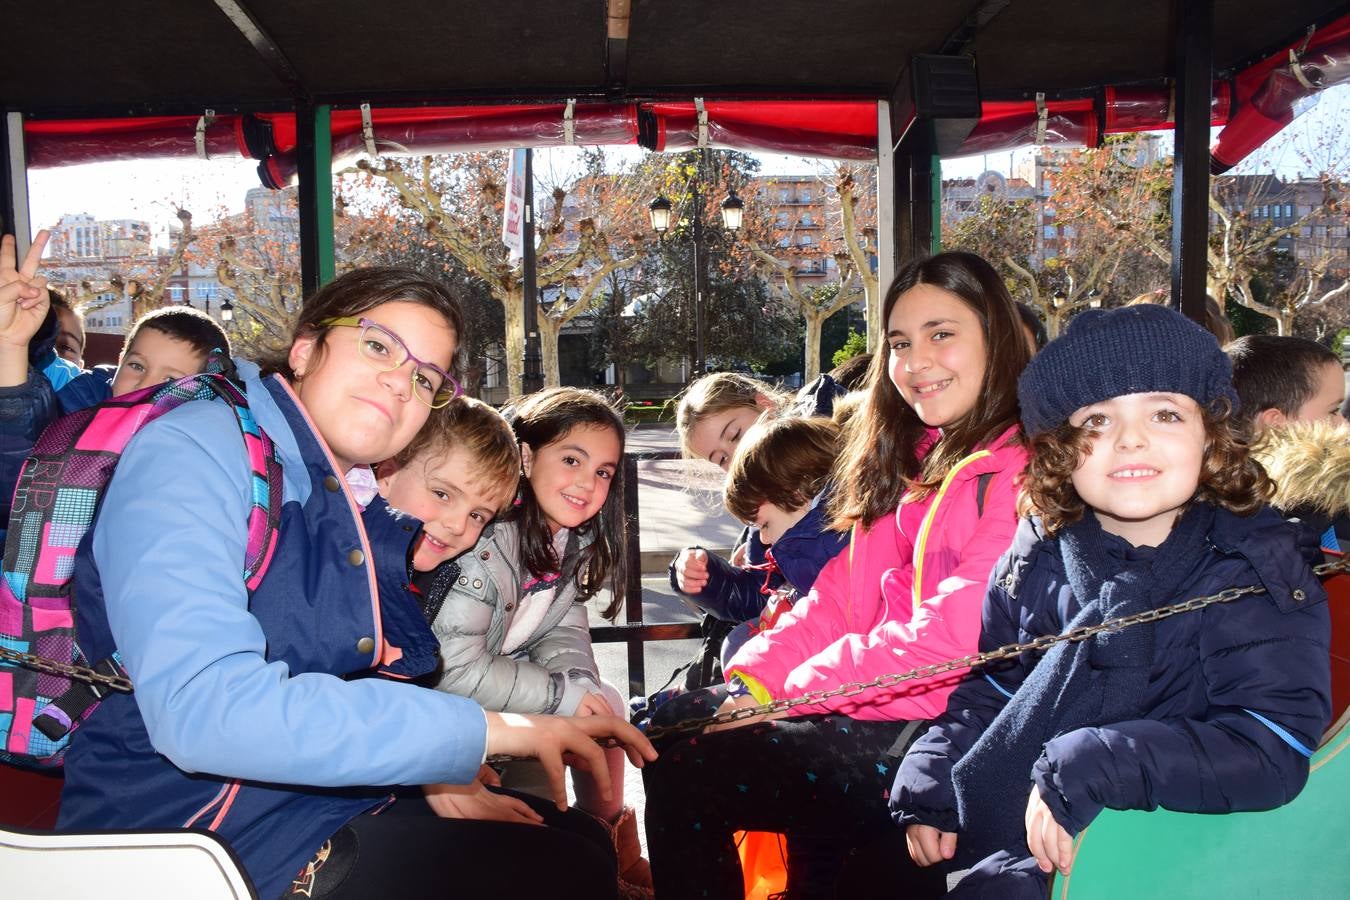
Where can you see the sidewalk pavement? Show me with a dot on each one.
(679, 505)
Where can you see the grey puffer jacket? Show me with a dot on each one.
(551, 670)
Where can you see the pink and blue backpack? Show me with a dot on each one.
(43, 702)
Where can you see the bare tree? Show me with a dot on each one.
(854, 279)
(457, 201)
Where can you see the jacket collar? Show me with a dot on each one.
(1273, 548)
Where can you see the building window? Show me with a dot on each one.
(1050, 233)
(1289, 210)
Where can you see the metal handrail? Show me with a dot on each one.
(633, 631)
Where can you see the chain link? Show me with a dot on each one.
(78, 673)
(849, 689)
(976, 660)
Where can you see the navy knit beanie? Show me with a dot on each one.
(1107, 353)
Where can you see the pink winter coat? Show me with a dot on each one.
(907, 593)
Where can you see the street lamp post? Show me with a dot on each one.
(733, 211)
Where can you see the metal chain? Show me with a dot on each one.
(52, 667)
(850, 689)
(976, 660)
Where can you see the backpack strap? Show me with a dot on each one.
(85, 448)
(981, 492)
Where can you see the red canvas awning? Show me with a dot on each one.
(1255, 105)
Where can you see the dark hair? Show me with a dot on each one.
(1031, 321)
(1272, 372)
(538, 420)
(59, 300)
(853, 372)
(1229, 476)
(182, 323)
(360, 291)
(478, 429)
(879, 464)
(785, 461)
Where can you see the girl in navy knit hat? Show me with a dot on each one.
(1139, 494)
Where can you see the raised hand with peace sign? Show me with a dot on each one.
(24, 302)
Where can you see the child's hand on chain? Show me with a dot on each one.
(731, 704)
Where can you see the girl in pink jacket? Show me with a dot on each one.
(927, 483)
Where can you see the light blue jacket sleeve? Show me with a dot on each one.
(169, 546)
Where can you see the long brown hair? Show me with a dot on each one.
(539, 420)
(879, 465)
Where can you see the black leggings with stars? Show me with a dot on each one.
(822, 780)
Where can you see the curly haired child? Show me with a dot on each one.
(1143, 494)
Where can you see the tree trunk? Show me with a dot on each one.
(1284, 322)
(872, 306)
(548, 349)
(814, 322)
(514, 313)
(1053, 322)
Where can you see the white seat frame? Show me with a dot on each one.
(121, 865)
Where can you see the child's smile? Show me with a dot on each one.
(1143, 465)
(937, 358)
(572, 475)
(444, 490)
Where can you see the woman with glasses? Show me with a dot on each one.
(248, 716)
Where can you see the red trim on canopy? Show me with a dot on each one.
(1268, 91)
(1260, 101)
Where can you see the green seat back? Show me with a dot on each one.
(1299, 850)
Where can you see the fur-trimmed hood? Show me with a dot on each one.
(1310, 465)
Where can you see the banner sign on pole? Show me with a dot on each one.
(513, 213)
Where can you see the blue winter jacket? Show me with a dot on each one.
(86, 389)
(733, 593)
(799, 555)
(245, 719)
(1240, 691)
(27, 409)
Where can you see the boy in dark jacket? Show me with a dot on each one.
(1281, 382)
(1143, 496)
(779, 484)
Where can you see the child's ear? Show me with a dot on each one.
(384, 476)
(302, 353)
(526, 459)
(1268, 418)
(763, 402)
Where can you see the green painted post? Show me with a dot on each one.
(323, 191)
(314, 171)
